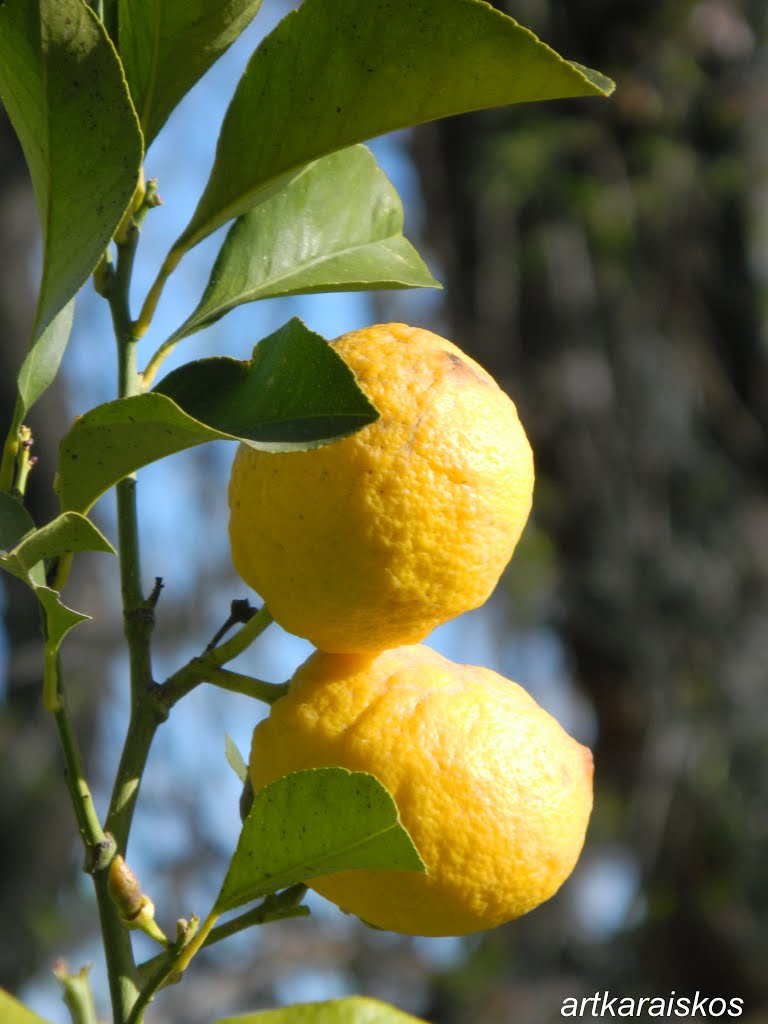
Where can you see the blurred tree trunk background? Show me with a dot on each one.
(36, 841)
(608, 262)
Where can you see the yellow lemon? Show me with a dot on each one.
(372, 541)
(494, 793)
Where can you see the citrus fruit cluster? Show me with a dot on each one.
(363, 547)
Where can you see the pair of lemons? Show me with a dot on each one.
(363, 547)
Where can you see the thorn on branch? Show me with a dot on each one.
(154, 597)
(145, 612)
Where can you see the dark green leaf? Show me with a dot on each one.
(15, 522)
(63, 87)
(14, 1012)
(353, 1010)
(296, 392)
(311, 823)
(167, 45)
(337, 226)
(44, 357)
(336, 72)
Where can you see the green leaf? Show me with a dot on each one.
(337, 226)
(14, 1012)
(113, 440)
(315, 822)
(235, 759)
(352, 1010)
(44, 357)
(295, 393)
(68, 533)
(167, 45)
(15, 522)
(23, 557)
(337, 72)
(63, 87)
(59, 618)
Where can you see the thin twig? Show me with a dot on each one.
(198, 670)
(241, 610)
(276, 907)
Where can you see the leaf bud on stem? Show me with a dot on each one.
(136, 909)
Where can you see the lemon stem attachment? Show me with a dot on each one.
(236, 682)
(144, 318)
(157, 360)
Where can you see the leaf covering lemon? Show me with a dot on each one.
(494, 793)
(372, 541)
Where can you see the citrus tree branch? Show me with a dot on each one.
(201, 668)
(162, 969)
(100, 848)
(138, 612)
(138, 621)
(88, 824)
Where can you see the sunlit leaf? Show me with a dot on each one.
(311, 823)
(352, 1010)
(59, 618)
(235, 759)
(23, 551)
(337, 226)
(337, 72)
(167, 45)
(68, 533)
(113, 440)
(14, 1012)
(44, 357)
(63, 88)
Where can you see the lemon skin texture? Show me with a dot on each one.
(494, 793)
(372, 541)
